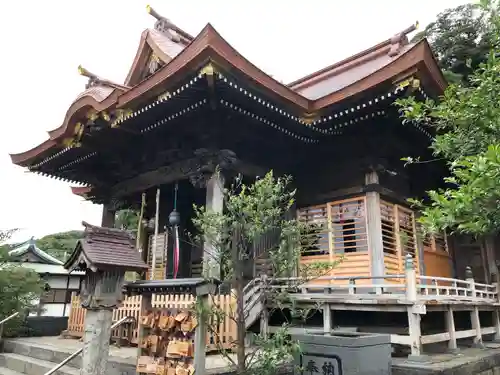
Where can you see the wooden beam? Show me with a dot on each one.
(205, 162)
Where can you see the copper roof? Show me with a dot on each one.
(105, 248)
(388, 61)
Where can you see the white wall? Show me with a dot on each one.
(53, 309)
(61, 282)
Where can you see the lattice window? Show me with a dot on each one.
(435, 242)
(160, 260)
(348, 226)
(317, 241)
(398, 232)
(388, 228)
(337, 227)
(407, 235)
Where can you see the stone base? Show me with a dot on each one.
(478, 345)
(423, 358)
(96, 341)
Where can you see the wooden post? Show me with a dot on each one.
(264, 322)
(489, 243)
(145, 307)
(108, 216)
(450, 326)
(413, 315)
(200, 334)
(215, 203)
(496, 311)
(474, 314)
(200, 339)
(496, 323)
(327, 319)
(374, 229)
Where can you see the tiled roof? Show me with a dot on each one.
(30, 246)
(98, 93)
(105, 248)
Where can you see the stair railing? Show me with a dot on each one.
(6, 320)
(75, 354)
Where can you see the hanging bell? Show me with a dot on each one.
(174, 218)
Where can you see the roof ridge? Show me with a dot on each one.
(396, 40)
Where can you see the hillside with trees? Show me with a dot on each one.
(461, 39)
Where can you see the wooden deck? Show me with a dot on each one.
(408, 292)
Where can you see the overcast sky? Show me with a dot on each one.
(43, 44)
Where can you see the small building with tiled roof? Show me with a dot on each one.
(105, 249)
(60, 283)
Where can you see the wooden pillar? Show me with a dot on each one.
(264, 322)
(374, 223)
(200, 339)
(145, 307)
(489, 243)
(450, 327)
(474, 314)
(496, 323)
(108, 216)
(413, 315)
(327, 319)
(420, 253)
(200, 335)
(215, 203)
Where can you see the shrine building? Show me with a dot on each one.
(192, 103)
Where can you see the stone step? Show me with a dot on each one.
(45, 353)
(6, 371)
(116, 366)
(32, 366)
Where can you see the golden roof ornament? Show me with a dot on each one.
(95, 80)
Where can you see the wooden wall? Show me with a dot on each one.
(340, 235)
(437, 258)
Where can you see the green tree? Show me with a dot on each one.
(20, 288)
(127, 219)
(467, 122)
(461, 40)
(60, 245)
(250, 212)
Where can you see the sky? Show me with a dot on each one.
(42, 46)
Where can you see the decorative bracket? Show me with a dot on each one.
(308, 118)
(209, 72)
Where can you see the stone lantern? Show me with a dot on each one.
(105, 254)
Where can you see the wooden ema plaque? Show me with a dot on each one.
(168, 347)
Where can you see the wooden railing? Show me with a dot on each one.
(222, 337)
(412, 293)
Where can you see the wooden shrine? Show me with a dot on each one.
(192, 104)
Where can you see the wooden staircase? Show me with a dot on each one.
(254, 302)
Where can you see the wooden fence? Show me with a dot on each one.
(223, 336)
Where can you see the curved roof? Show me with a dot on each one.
(30, 246)
(387, 61)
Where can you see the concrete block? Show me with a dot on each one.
(345, 353)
